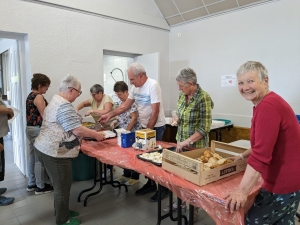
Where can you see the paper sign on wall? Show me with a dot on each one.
(228, 81)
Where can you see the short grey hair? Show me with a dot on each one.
(96, 88)
(187, 75)
(69, 81)
(253, 66)
(137, 69)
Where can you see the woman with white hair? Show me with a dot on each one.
(274, 153)
(59, 142)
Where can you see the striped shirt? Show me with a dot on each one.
(194, 116)
(56, 138)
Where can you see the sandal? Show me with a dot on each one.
(183, 207)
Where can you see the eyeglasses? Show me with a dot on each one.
(79, 92)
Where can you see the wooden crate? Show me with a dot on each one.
(188, 167)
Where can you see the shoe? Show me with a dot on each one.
(174, 206)
(73, 213)
(132, 182)
(122, 179)
(195, 215)
(71, 221)
(47, 189)
(2, 190)
(31, 188)
(164, 194)
(146, 189)
(107, 173)
(6, 201)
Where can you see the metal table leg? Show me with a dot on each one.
(95, 182)
(170, 213)
(191, 214)
(179, 213)
(102, 181)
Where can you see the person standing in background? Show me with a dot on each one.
(130, 121)
(35, 106)
(146, 93)
(5, 115)
(100, 103)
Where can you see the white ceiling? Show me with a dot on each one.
(181, 11)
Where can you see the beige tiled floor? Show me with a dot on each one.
(110, 207)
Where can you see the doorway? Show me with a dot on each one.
(15, 87)
(115, 65)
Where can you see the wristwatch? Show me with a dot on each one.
(191, 142)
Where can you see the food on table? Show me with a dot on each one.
(212, 160)
(87, 124)
(101, 132)
(152, 156)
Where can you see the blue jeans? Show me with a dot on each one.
(160, 132)
(2, 161)
(35, 169)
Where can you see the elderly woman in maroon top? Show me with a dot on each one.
(274, 154)
(35, 106)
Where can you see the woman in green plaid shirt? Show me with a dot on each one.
(193, 117)
(193, 114)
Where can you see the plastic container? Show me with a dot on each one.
(127, 139)
(226, 121)
(298, 117)
(83, 167)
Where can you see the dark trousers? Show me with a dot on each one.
(273, 209)
(2, 172)
(159, 135)
(131, 174)
(60, 173)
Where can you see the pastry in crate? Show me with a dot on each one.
(213, 160)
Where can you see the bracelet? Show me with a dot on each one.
(241, 156)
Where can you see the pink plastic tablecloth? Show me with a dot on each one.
(208, 197)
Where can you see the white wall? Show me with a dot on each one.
(136, 11)
(268, 33)
(67, 42)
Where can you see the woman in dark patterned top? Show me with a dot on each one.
(35, 106)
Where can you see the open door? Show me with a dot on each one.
(151, 64)
(17, 101)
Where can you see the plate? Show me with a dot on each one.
(173, 149)
(149, 160)
(108, 134)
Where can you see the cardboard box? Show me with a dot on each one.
(145, 139)
(188, 167)
(127, 139)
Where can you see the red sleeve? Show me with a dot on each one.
(264, 132)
